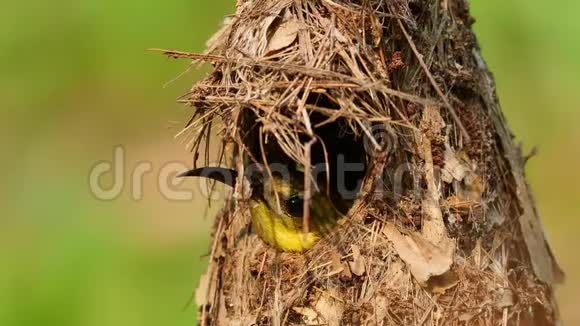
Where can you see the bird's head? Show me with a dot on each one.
(277, 206)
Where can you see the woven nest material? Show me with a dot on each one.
(435, 236)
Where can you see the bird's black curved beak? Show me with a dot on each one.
(223, 175)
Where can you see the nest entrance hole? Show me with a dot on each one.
(338, 158)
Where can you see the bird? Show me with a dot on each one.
(276, 207)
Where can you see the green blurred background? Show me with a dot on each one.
(75, 81)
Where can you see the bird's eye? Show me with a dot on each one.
(295, 206)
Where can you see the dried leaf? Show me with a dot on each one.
(330, 309)
(423, 258)
(336, 263)
(257, 33)
(506, 299)
(434, 229)
(346, 273)
(429, 253)
(309, 315)
(453, 169)
(284, 35)
(357, 265)
(440, 284)
(457, 170)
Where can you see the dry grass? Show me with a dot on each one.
(445, 250)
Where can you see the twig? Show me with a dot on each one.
(299, 69)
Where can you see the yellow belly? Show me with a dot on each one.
(279, 230)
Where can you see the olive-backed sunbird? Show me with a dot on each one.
(281, 226)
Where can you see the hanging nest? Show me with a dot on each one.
(436, 235)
